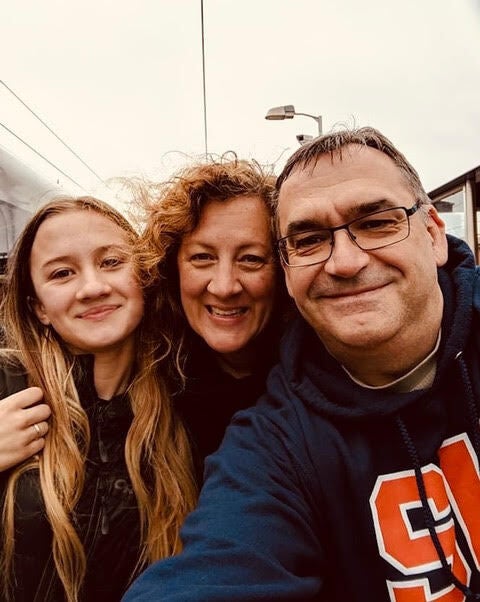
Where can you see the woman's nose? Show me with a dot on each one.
(224, 281)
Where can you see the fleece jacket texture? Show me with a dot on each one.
(333, 492)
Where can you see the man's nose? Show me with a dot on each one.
(347, 258)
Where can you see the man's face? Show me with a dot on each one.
(359, 299)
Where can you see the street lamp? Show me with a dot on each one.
(288, 112)
(304, 139)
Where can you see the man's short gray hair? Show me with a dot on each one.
(333, 143)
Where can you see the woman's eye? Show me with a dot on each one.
(112, 262)
(252, 260)
(200, 258)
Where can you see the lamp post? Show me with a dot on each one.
(288, 112)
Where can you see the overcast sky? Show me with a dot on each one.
(121, 81)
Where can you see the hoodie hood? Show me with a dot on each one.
(423, 418)
(307, 366)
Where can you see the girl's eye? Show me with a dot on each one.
(61, 273)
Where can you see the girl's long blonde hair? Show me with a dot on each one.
(156, 449)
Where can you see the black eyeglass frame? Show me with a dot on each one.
(281, 242)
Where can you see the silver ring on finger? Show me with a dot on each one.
(37, 430)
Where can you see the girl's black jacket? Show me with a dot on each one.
(329, 491)
(106, 516)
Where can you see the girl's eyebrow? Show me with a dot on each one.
(59, 259)
(122, 248)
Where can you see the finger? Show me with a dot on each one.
(34, 447)
(39, 430)
(29, 450)
(21, 419)
(38, 413)
(36, 431)
(24, 398)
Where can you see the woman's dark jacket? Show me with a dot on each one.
(212, 396)
(106, 516)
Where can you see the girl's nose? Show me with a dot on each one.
(93, 285)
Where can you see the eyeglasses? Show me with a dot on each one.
(370, 232)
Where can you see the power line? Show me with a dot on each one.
(52, 132)
(204, 82)
(40, 155)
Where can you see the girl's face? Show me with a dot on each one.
(83, 277)
(227, 273)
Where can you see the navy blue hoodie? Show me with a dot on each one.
(330, 491)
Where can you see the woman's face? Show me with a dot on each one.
(85, 287)
(227, 273)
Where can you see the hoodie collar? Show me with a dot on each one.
(309, 368)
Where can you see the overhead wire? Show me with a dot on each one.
(40, 155)
(204, 82)
(53, 133)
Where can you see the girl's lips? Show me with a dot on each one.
(97, 313)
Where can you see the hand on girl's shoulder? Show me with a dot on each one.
(23, 426)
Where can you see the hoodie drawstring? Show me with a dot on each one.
(412, 452)
(427, 513)
(471, 405)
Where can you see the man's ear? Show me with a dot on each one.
(436, 230)
(39, 310)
